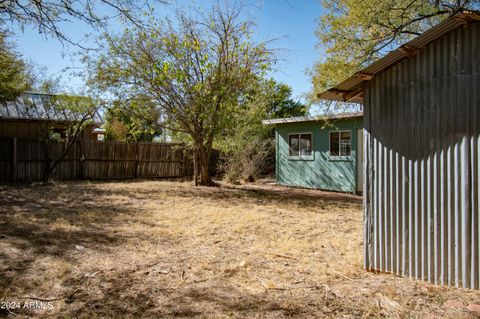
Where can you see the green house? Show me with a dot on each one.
(320, 152)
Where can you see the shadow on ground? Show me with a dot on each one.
(100, 249)
(46, 228)
(55, 221)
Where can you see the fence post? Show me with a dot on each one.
(80, 159)
(184, 162)
(14, 159)
(137, 147)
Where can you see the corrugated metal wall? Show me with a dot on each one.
(422, 141)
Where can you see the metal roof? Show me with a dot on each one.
(39, 106)
(313, 118)
(351, 89)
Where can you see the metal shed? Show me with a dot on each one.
(421, 147)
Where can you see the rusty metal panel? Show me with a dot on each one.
(422, 141)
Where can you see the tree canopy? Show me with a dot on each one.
(14, 76)
(280, 103)
(353, 33)
(134, 120)
(194, 68)
(248, 145)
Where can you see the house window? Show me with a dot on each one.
(340, 143)
(300, 144)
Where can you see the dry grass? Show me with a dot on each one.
(167, 249)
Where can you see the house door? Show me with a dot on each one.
(359, 156)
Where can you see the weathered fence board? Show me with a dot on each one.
(26, 160)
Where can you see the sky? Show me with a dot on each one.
(293, 22)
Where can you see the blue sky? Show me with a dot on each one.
(294, 21)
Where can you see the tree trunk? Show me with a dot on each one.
(77, 130)
(204, 160)
(52, 166)
(204, 175)
(195, 167)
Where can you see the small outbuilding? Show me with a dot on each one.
(422, 141)
(36, 116)
(322, 152)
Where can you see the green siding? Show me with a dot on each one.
(321, 172)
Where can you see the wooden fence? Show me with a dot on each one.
(26, 160)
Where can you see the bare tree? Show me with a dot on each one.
(195, 69)
(78, 112)
(48, 15)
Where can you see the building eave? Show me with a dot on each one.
(352, 89)
(312, 118)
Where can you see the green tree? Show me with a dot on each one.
(353, 33)
(249, 146)
(115, 130)
(279, 102)
(195, 69)
(134, 120)
(14, 77)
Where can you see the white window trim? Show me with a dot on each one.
(300, 157)
(339, 147)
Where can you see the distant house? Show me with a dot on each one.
(35, 116)
(320, 152)
(422, 144)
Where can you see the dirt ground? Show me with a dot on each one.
(167, 249)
